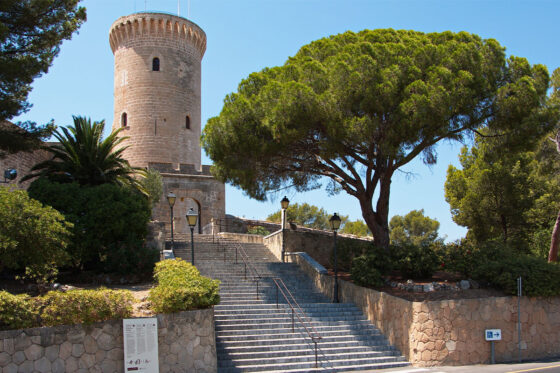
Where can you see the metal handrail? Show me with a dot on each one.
(313, 334)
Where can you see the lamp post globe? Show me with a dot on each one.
(285, 202)
(171, 200)
(192, 217)
(334, 222)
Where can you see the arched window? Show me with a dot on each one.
(155, 64)
(124, 121)
(188, 122)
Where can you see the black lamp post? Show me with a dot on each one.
(171, 199)
(334, 221)
(285, 202)
(192, 217)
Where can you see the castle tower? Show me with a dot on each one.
(157, 103)
(157, 87)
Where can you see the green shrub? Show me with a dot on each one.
(181, 288)
(110, 223)
(17, 311)
(540, 278)
(347, 250)
(415, 261)
(464, 257)
(364, 271)
(262, 231)
(85, 306)
(32, 237)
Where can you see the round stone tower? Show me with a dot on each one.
(157, 88)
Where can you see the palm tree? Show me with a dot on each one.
(82, 156)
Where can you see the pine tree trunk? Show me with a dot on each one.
(555, 241)
(378, 221)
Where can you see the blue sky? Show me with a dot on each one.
(248, 35)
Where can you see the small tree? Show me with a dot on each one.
(357, 228)
(414, 228)
(32, 237)
(152, 185)
(306, 215)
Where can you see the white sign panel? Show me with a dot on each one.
(493, 334)
(140, 345)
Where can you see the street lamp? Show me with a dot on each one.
(192, 217)
(9, 175)
(171, 199)
(334, 221)
(285, 202)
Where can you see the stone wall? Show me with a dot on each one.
(451, 332)
(22, 163)
(317, 243)
(186, 344)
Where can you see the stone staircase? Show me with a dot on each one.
(254, 332)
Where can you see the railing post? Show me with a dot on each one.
(235, 254)
(293, 322)
(314, 341)
(257, 289)
(245, 271)
(276, 293)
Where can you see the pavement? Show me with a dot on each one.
(543, 366)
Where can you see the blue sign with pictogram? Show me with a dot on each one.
(493, 334)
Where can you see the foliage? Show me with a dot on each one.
(262, 231)
(152, 184)
(32, 237)
(356, 107)
(414, 228)
(82, 156)
(31, 33)
(307, 215)
(555, 101)
(17, 311)
(364, 271)
(110, 224)
(347, 250)
(415, 261)
(85, 306)
(60, 308)
(539, 277)
(496, 193)
(181, 288)
(357, 228)
(30, 36)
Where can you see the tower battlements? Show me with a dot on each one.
(130, 29)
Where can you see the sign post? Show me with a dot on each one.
(493, 335)
(140, 337)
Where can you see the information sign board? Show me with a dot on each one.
(140, 345)
(493, 334)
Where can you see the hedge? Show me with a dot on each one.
(181, 288)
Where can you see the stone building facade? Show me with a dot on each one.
(157, 103)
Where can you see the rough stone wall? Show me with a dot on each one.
(22, 162)
(157, 102)
(451, 332)
(186, 344)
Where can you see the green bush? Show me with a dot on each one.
(415, 261)
(17, 311)
(262, 231)
(347, 250)
(63, 308)
(364, 271)
(181, 288)
(85, 306)
(540, 278)
(464, 257)
(32, 237)
(110, 223)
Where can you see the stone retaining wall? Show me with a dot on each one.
(186, 343)
(451, 332)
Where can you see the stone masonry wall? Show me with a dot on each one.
(186, 344)
(451, 332)
(22, 162)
